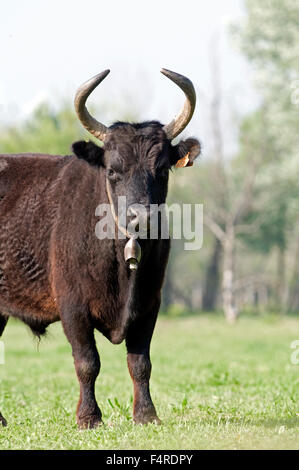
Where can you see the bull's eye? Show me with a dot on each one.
(112, 174)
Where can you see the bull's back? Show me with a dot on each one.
(28, 203)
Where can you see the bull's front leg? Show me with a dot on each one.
(138, 347)
(80, 334)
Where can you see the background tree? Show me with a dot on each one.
(269, 38)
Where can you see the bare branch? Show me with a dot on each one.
(214, 227)
(249, 228)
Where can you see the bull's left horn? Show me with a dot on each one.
(96, 128)
(178, 124)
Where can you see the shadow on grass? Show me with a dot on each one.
(270, 423)
(288, 423)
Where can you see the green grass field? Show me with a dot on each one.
(215, 386)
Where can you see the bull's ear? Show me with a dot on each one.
(185, 152)
(89, 152)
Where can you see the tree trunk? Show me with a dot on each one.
(228, 294)
(293, 293)
(281, 289)
(211, 287)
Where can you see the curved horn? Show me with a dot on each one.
(91, 124)
(178, 124)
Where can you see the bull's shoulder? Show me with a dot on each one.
(30, 174)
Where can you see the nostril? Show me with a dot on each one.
(138, 219)
(133, 220)
(133, 225)
(132, 212)
(132, 215)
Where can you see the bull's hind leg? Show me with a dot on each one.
(3, 321)
(80, 334)
(138, 346)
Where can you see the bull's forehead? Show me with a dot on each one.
(123, 131)
(131, 144)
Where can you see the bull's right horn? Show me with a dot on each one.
(93, 126)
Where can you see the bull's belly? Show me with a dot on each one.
(35, 308)
(25, 291)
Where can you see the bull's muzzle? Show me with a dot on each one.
(138, 220)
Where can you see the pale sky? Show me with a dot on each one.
(49, 47)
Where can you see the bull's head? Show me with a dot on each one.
(137, 157)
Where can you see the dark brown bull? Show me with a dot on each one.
(53, 267)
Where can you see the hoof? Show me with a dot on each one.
(89, 422)
(3, 420)
(147, 419)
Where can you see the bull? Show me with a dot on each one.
(53, 267)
